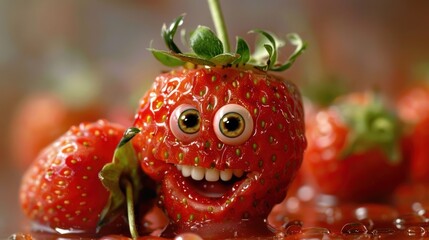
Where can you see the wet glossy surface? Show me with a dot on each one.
(404, 216)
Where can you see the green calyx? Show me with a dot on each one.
(208, 50)
(122, 177)
(372, 126)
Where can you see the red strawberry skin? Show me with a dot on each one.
(419, 152)
(368, 174)
(413, 108)
(413, 104)
(269, 156)
(61, 189)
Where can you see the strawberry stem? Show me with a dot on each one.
(130, 208)
(219, 23)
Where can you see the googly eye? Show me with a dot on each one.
(233, 124)
(185, 122)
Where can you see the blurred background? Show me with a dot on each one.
(63, 62)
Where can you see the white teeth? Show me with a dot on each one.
(210, 174)
(186, 170)
(197, 173)
(226, 174)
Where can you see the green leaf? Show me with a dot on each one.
(300, 46)
(168, 34)
(166, 58)
(243, 50)
(259, 54)
(208, 49)
(270, 46)
(205, 43)
(224, 58)
(124, 165)
(372, 126)
(194, 59)
(270, 51)
(179, 59)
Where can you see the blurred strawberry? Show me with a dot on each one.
(413, 104)
(354, 149)
(41, 118)
(413, 109)
(72, 93)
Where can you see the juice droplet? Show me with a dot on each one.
(368, 222)
(354, 228)
(292, 227)
(315, 232)
(292, 222)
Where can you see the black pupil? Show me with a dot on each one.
(231, 123)
(190, 120)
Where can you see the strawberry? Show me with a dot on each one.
(73, 185)
(354, 148)
(224, 138)
(419, 166)
(413, 109)
(54, 116)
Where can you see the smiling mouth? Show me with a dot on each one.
(210, 182)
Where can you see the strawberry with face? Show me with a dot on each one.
(224, 142)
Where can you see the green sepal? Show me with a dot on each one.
(124, 164)
(270, 51)
(224, 58)
(300, 46)
(205, 43)
(208, 50)
(270, 46)
(191, 58)
(242, 50)
(166, 58)
(372, 126)
(168, 34)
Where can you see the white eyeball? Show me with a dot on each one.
(185, 122)
(233, 124)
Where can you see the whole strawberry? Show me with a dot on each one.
(354, 149)
(413, 109)
(62, 190)
(224, 139)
